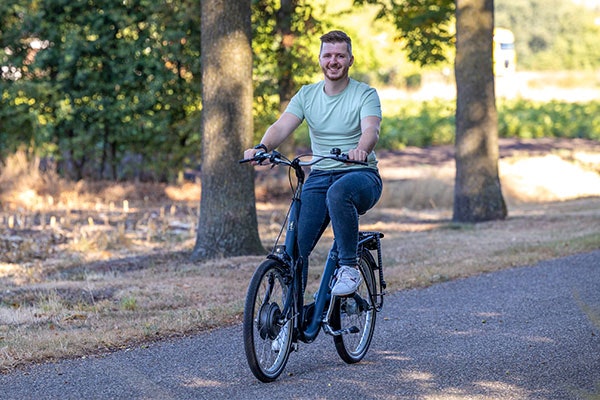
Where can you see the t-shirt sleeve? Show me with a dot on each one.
(371, 104)
(296, 104)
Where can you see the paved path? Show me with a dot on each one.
(524, 333)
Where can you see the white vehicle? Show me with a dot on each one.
(505, 56)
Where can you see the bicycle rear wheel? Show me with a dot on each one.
(357, 314)
(267, 338)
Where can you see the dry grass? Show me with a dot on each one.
(91, 268)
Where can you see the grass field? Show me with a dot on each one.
(87, 268)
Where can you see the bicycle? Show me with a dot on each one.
(275, 316)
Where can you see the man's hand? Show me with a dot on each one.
(357, 155)
(250, 153)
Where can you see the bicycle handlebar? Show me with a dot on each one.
(276, 158)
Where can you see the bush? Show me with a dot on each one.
(528, 119)
(432, 123)
(419, 124)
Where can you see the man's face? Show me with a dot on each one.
(335, 60)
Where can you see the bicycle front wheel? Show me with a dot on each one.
(357, 315)
(267, 334)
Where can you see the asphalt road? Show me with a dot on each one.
(525, 333)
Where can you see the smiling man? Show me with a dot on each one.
(341, 113)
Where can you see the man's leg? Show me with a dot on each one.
(351, 195)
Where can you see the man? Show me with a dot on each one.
(343, 113)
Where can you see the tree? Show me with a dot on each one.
(104, 87)
(423, 27)
(227, 224)
(477, 192)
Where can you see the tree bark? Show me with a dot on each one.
(227, 223)
(477, 192)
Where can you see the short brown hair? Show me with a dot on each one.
(336, 37)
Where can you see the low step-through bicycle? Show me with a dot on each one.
(275, 315)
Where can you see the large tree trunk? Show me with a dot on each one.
(477, 192)
(227, 223)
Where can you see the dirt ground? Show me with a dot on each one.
(536, 170)
(509, 147)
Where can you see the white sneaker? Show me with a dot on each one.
(279, 341)
(347, 281)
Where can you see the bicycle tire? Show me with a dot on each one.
(266, 295)
(359, 312)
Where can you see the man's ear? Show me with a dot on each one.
(351, 61)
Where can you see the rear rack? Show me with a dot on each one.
(371, 240)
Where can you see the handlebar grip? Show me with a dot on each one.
(259, 157)
(344, 158)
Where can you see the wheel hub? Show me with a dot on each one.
(267, 321)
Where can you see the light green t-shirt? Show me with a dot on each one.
(334, 121)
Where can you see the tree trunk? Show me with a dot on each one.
(227, 223)
(477, 191)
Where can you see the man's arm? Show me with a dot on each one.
(280, 130)
(277, 133)
(368, 139)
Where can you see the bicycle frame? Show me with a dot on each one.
(293, 307)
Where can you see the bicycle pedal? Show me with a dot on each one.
(352, 329)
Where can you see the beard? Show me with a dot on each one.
(335, 74)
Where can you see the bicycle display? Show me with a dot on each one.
(275, 316)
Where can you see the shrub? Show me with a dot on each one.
(432, 123)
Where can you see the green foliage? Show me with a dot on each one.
(528, 119)
(418, 124)
(423, 26)
(551, 34)
(107, 83)
(432, 123)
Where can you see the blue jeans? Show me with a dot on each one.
(340, 197)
